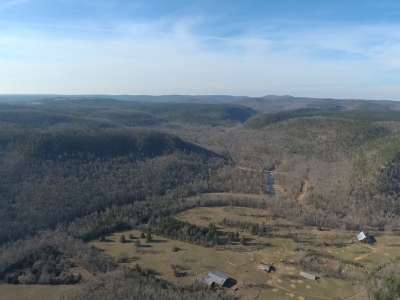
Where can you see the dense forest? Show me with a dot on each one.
(54, 177)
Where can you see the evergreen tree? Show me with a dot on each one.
(122, 239)
(137, 244)
(149, 238)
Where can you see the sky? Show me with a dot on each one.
(317, 48)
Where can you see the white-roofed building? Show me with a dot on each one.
(366, 238)
(361, 236)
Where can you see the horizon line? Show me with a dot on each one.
(189, 95)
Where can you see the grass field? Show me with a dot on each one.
(288, 243)
(28, 292)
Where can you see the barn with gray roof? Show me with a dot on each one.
(218, 279)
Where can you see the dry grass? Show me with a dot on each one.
(34, 292)
(241, 261)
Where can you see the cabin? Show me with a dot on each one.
(220, 279)
(269, 268)
(309, 276)
(366, 238)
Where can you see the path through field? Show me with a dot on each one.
(364, 256)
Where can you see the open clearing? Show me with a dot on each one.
(288, 243)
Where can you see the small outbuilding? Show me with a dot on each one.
(361, 236)
(218, 279)
(309, 276)
(366, 238)
(269, 268)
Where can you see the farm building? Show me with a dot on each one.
(366, 238)
(218, 279)
(308, 276)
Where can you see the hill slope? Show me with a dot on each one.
(50, 177)
(174, 112)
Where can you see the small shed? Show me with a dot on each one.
(219, 279)
(366, 238)
(308, 276)
(269, 268)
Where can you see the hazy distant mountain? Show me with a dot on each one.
(270, 103)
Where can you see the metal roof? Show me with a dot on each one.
(216, 277)
(361, 236)
(308, 276)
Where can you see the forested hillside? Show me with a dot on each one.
(87, 153)
(54, 176)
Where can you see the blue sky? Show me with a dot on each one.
(341, 48)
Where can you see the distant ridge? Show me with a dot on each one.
(264, 104)
(177, 97)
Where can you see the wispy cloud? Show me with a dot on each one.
(174, 56)
(6, 4)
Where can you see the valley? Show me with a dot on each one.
(229, 186)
